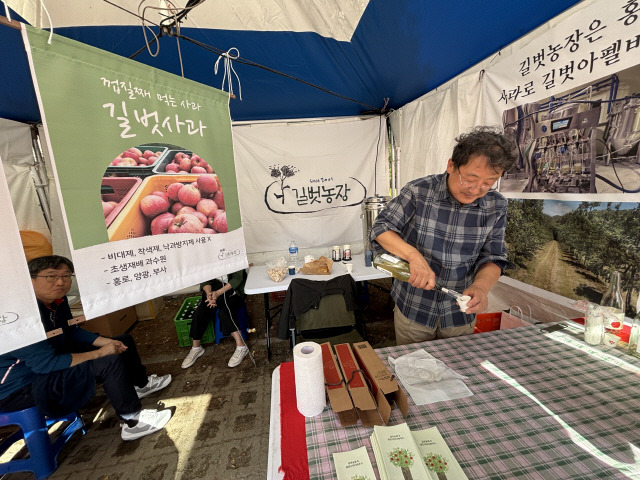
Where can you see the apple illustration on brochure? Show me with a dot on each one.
(172, 205)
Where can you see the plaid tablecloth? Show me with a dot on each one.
(545, 406)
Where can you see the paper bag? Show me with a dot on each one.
(322, 266)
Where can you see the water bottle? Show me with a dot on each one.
(293, 253)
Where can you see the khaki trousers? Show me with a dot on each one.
(408, 331)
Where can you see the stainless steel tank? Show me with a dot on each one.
(371, 207)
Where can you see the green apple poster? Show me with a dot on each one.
(143, 165)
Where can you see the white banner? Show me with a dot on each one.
(597, 41)
(19, 316)
(306, 181)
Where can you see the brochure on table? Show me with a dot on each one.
(354, 464)
(401, 454)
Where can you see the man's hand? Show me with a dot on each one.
(101, 341)
(486, 277)
(421, 274)
(479, 299)
(111, 348)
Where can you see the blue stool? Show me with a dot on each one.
(34, 429)
(243, 320)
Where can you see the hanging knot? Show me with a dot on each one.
(228, 57)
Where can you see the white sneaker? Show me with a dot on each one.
(238, 356)
(149, 421)
(192, 356)
(154, 384)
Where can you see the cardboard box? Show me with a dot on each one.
(112, 324)
(339, 397)
(385, 387)
(149, 309)
(357, 386)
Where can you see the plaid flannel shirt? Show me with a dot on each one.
(454, 238)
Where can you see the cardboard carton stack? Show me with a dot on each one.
(359, 386)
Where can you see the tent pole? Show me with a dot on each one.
(41, 180)
(394, 180)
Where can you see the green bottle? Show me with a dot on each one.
(392, 265)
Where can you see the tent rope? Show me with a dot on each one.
(167, 29)
(44, 7)
(228, 69)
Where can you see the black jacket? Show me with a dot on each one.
(304, 294)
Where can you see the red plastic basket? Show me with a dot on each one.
(123, 189)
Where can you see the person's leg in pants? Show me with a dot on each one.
(131, 358)
(228, 307)
(118, 384)
(408, 331)
(201, 318)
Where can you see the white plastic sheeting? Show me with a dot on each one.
(329, 18)
(17, 160)
(19, 317)
(425, 129)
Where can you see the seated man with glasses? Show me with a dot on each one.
(450, 228)
(59, 375)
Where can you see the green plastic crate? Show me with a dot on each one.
(183, 320)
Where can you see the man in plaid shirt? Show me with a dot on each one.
(450, 228)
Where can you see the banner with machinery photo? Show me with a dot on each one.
(571, 99)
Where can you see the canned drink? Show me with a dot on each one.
(346, 253)
(335, 254)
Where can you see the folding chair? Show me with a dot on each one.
(323, 310)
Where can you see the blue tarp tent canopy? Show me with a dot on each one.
(293, 53)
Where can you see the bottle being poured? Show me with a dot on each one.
(399, 269)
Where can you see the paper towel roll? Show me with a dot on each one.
(309, 374)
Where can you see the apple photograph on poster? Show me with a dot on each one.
(157, 189)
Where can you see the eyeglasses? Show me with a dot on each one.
(54, 278)
(474, 185)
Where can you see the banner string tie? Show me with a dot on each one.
(228, 69)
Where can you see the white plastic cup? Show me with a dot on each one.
(349, 267)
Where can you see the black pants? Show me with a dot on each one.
(65, 391)
(204, 314)
(119, 374)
